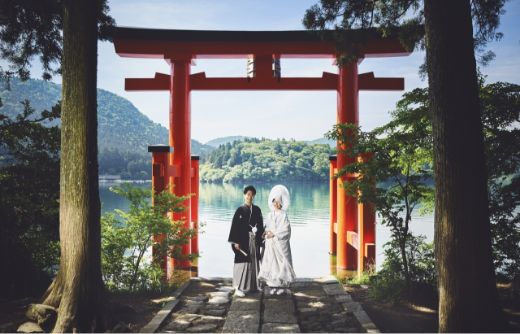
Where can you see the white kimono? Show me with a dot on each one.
(276, 269)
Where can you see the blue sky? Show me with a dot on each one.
(272, 114)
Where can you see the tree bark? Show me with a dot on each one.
(467, 288)
(406, 269)
(78, 290)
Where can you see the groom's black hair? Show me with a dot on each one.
(246, 189)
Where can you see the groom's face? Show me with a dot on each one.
(249, 197)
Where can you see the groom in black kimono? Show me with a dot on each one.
(246, 238)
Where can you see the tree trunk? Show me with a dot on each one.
(406, 269)
(467, 289)
(78, 290)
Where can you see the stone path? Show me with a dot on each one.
(202, 307)
(312, 305)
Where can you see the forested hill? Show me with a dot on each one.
(224, 140)
(267, 160)
(123, 131)
(121, 124)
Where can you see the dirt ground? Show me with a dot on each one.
(391, 318)
(130, 311)
(12, 313)
(133, 311)
(406, 317)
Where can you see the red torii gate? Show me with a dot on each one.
(352, 225)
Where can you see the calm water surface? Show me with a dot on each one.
(308, 214)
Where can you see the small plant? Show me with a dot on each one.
(365, 278)
(128, 239)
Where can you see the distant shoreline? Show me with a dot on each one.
(103, 179)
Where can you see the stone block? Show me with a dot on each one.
(218, 300)
(186, 318)
(203, 328)
(217, 312)
(206, 319)
(227, 289)
(218, 294)
(279, 311)
(175, 327)
(333, 289)
(365, 321)
(343, 298)
(199, 298)
(242, 322)
(190, 309)
(351, 306)
(29, 327)
(307, 310)
(245, 304)
(310, 293)
(326, 280)
(280, 328)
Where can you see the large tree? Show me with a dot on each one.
(468, 298)
(30, 28)
(78, 290)
(467, 285)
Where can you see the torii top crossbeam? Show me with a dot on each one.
(262, 45)
(158, 43)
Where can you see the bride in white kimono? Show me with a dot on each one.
(276, 269)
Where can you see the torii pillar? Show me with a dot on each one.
(180, 140)
(347, 206)
(353, 224)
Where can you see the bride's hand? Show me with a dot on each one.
(269, 234)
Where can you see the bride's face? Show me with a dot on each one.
(277, 205)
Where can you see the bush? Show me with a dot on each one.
(128, 238)
(389, 283)
(365, 278)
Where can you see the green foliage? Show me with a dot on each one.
(501, 114)
(223, 140)
(402, 19)
(390, 282)
(377, 17)
(397, 174)
(29, 184)
(31, 29)
(129, 165)
(421, 260)
(127, 239)
(365, 278)
(402, 162)
(266, 160)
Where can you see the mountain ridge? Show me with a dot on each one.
(120, 124)
(216, 142)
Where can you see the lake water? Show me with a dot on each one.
(308, 214)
